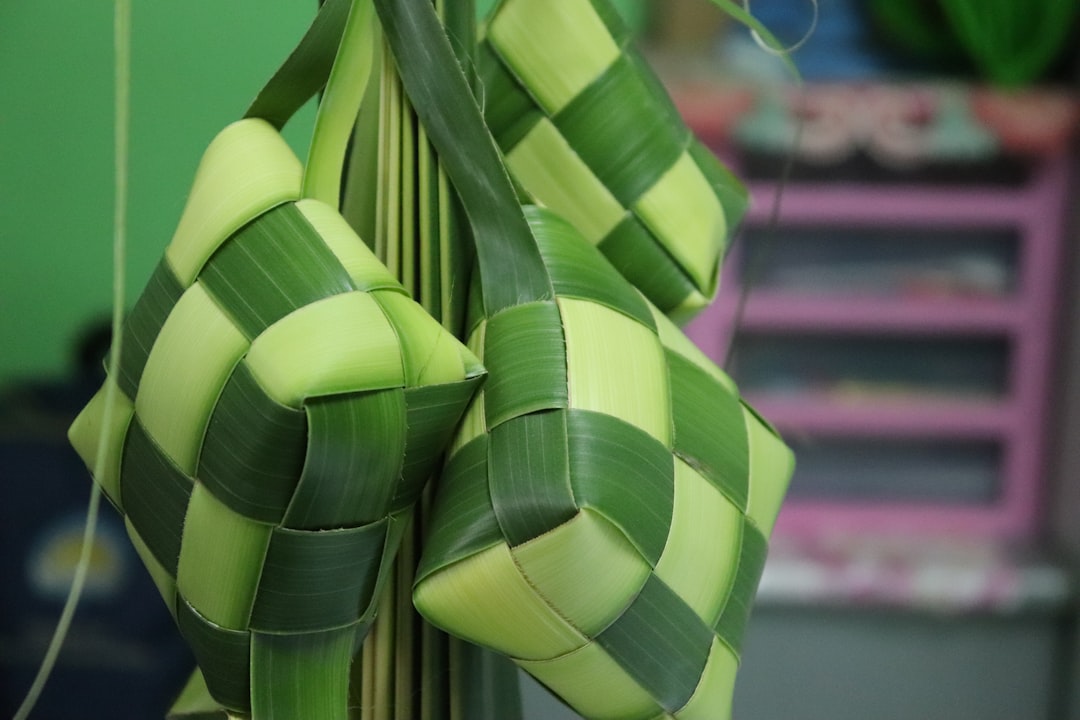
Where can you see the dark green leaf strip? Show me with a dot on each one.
(530, 476)
(661, 643)
(354, 456)
(732, 194)
(273, 266)
(620, 32)
(710, 432)
(578, 270)
(316, 580)
(731, 626)
(432, 414)
(155, 495)
(253, 451)
(641, 259)
(223, 656)
(306, 70)
(525, 355)
(512, 271)
(624, 130)
(624, 474)
(464, 521)
(144, 323)
(508, 109)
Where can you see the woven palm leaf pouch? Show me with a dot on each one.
(280, 404)
(603, 515)
(589, 131)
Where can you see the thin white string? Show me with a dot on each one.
(791, 48)
(122, 69)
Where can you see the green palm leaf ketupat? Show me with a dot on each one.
(601, 507)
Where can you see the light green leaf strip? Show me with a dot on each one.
(340, 344)
(409, 260)
(593, 333)
(587, 551)
(697, 562)
(247, 170)
(338, 108)
(771, 467)
(528, 34)
(592, 682)
(195, 702)
(191, 359)
(86, 431)
(221, 560)
(365, 270)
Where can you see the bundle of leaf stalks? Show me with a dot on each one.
(433, 367)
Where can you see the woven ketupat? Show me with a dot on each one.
(603, 515)
(281, 403)
(589, 131)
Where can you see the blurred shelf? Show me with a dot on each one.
(909, 205)
(867, 415)
(771, 310)
(900, 331)
(940, 574)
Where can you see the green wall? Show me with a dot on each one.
(196, 65)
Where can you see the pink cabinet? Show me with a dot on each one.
(900, 330)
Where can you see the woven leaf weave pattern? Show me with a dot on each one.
(281, 403)
(604, 513)
(590, 132)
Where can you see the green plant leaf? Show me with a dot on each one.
(511, 269)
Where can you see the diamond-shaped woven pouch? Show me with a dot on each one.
(589, 131)
(604, 512)
(281, 402)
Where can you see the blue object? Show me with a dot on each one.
(124, 659)
(841, 48)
